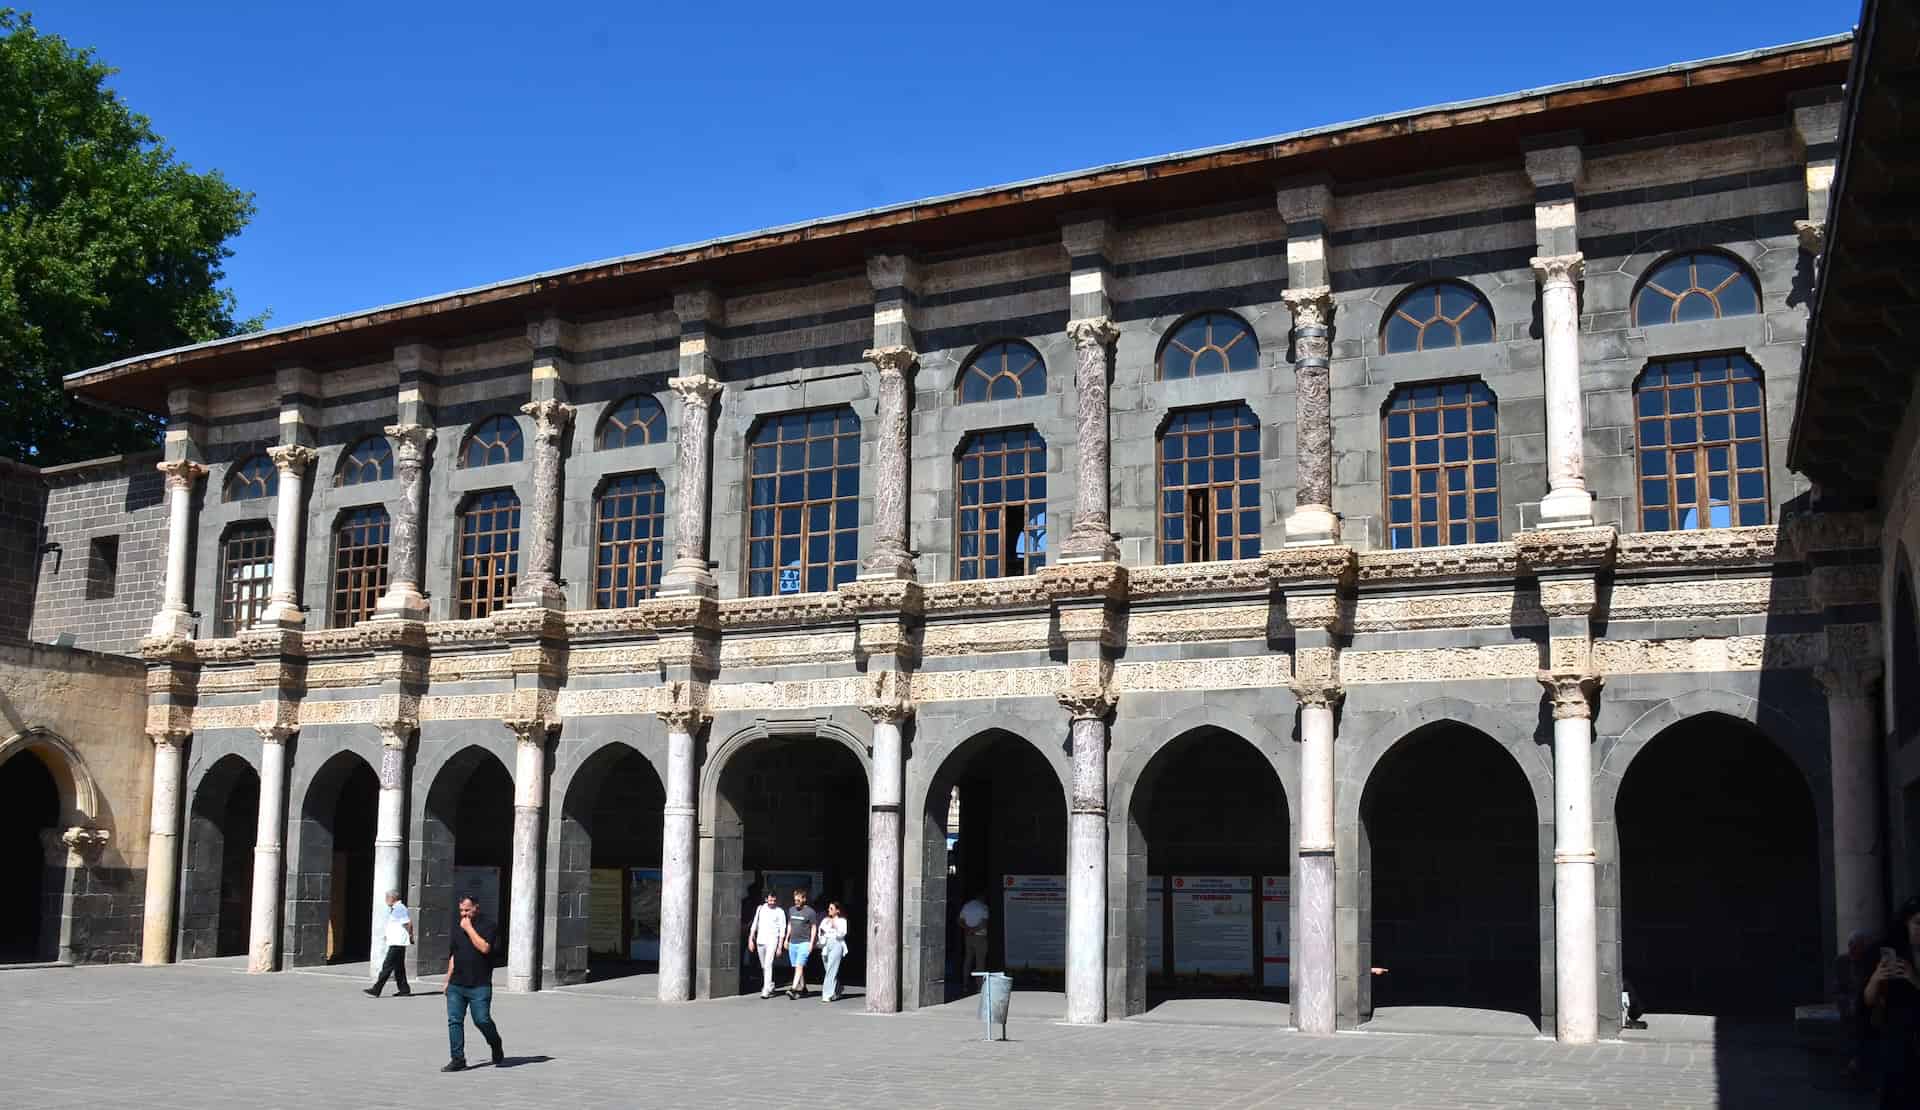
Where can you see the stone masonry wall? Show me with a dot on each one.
(115, 507)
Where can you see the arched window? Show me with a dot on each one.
(1210, 343)
(1210, 485)
(803, 533)
(1436, 316)
(1703, 443)
(1702, 286)
(253, 478)
(1002, 371)
(370, 460)
(359, 563)
(494, 440)
(635, 421)
(1443, 472)
(489, 553)
(246, 575)
(1002, 518)
(629, 537)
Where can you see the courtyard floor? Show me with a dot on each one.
(208, 1035)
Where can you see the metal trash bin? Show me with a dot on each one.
(996, 994)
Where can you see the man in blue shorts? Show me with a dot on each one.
(802, 921)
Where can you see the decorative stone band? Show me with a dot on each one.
(550, 418)
(1568, 548)
(892, 360)
(1572, 694)
(181, 473)
(1559, 269)
(697, 390)
(293, 458)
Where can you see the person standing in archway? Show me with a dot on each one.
(802, 922)
(399, 934)
(765, 933)
(833, 949)
(973, 937)
(470, 984)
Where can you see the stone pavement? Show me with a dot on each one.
(208, 1035)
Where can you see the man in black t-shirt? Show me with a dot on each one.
(470, 984)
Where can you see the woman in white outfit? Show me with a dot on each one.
(833, 947)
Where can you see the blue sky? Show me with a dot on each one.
(402, 149)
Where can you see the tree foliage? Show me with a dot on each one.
(109, 246)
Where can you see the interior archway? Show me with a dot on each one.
(608, 905)
(1719, 873)
(332, 892)
(29, 807)
(466, 848)
(216, 905)
(1450, 840)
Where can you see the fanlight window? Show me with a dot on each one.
(803, 524)
(1703, 444)
(494, 440)
(1436, 316)
(1210, 343)
(370, 460)
(635, 421)
(1702, 286)
(252, 479)
(1003, 371)
(1443, 473)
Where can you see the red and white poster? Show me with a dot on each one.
(1276, 917)
(1033, 922)
(1213, 926)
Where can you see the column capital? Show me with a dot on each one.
(85, 841)
(1093, 332)
(276, 733)
(1572, 694)
(292, 458)
(896, 361)
(1848, 678)
(1312, 306)
(181, 473)
(1317, 694)
(530, 730)
(1088, 694)
(168, 737)
(1559, 269)
(395, 734)
(885, 698)
(698, 390)
(409, 441)
(550, 418)
(682, 706)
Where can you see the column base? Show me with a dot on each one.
(283, 615)
(888, 566)
(172, 624)
(539, 595)
(1089, 546)
(688, 579)
(1571, 507)
(1312, 526)
(403, 604)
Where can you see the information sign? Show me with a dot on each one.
(606, 911)
(1033, 920)
(1213, 926)
(644, 918)
(1276, 906)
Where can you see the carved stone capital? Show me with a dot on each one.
(170, 737)
(681, 706)
(1569, 597)
(697, 390)
(1087, 704)
(409, 442)
(886, 696)
(276, 733)
(1572, 694)
(1560, 269)
(292, 458)
(1312, 306)
(181, 473)
(897, 360)
(1848, 678)
(395, 734)
(86, 842)
(530, 730)
(550, 418)
(1096, 333)
(1316, 694)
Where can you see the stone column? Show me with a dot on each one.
(1859, 900)
(1092, 537)
(891, 557)
(292, 461)
(175, 618)
(692, 490)
(529, 812)
(163, 847)
(1087, 707)
(679, 851)
(1815, 124)
(538, 585)
(403, 599)
(389, 836)
(1313, 521)
(883, 854)
(263, 943)
(1314, 999)
(1576, 949)
(1567, 504)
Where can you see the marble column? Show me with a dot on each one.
(692, 491)
(1312, 521)
(403, 599)
(679, 855)
(1859, 900)
(389, 836)
(292, 461)
(891, 557)
(529, 813)
(1092, 537)
(883, 857)
(163, 848)
(1314, 997)
(269, 858)
(175, 618)
(1087, 857)
(1576, 949)
(538, 585)
(1567, 503)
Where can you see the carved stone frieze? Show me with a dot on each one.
(788, 650)
(177, 718)
(1700, 547)
(682, 613)
(681, 705)
(1790, 651)
(269, 642)
(1575, 596)
(791, 609)
(1439, 664)
(480, 630)
(640, 658)
(608, 622)
(169, 649)
(221, 680)
(1567, 548)
(984, 637)
(1507, 608)
(219, 651)
(1707, 598)
(1085, 581)
(178, 682)
(1569, 654)
(513, 622)
(1189, 625)
(1088, 692)
(1318, 610)
(545, 660)
(1418, 564)
(1231, 576)
(470, 667)
(1268, 670)
(774, 696)
(1027, 591)
(1803, 533)
(1326, 563)
(882, 595)
(463, 707)
(1835, 585)
(973, 684)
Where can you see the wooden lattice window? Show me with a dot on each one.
(629, 540)
(635, 421)
(359, 563)
(246, 575)
(1702, 443)
(1002, 519)
(1002, 371)
(1443, 472)
(370, 460)
(1210, 343)
(253, 478)
(1210, 485)
(489, 553)
(494, 440)
(1701, 286)
(1436, 316)
(803, 521)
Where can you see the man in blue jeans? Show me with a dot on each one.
(470, 985)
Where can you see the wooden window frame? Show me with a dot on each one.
(355, 587)
(839, 570)
(251, 479)
(493, 584)
(1676, 297)
(1172, 342)
(1033, 526)
(1701, 449)
(353, 466)
(652, 428)
(611, 555)
(1398, 310)
(1208, 504)
(1440, 467)
(244, 597)
(973, 366)
(514, 448)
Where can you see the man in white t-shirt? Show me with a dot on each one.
(765, 933)
(399, 937)
(973, 937)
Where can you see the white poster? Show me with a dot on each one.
(1156, 936)
(1213, 926)
(1033, 922)
(1276, 907)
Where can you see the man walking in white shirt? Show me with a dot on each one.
(973, 938)
(765, 933)
(399, 936)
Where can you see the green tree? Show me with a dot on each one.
(109, 247)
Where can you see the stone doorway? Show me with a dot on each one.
(216, 904)
(465, 848)
(330, 901)
(609, 856)
(29, 883)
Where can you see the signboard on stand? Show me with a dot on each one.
(1276, 917)
(606, 911)
(643, 920)
(1156, 935)
(1033, 922)
(1213, 926)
